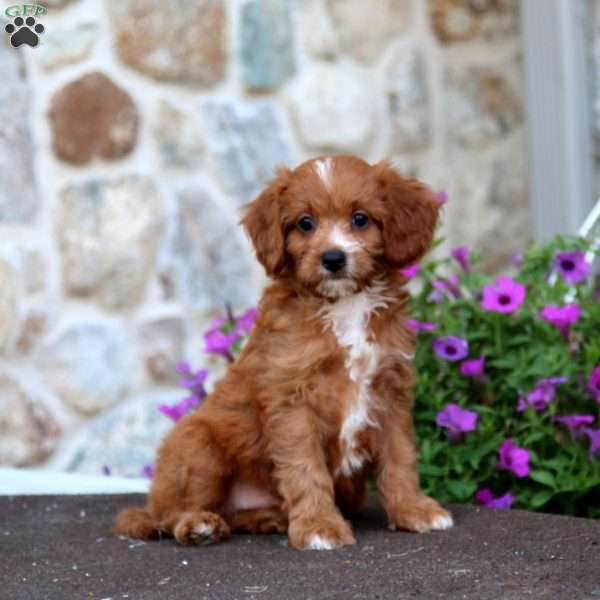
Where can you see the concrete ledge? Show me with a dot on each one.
(61, 547)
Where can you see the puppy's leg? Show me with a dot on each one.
(398, 481)
(260, 520)
(350, 493)
(189, 485)
(305, 483)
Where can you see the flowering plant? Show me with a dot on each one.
(507, 401)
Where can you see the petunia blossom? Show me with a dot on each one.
(245, 323)
(441, 197)
(561, 317)
(416, 325)
(512, 458)
(217, 341)
(575, 423)
(594, 439)
(410, 271)
(485, 497)
(594, 383)
(572, 266)
(193, 381)
(179, 410)
(505, 295)
(474, 367)
(148, 471)
(542, 394)
(451, 348)
(456, 420)
(516, 260)
(462, 256)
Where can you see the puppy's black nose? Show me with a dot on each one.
(333, 260)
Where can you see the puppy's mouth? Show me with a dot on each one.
(337, 285)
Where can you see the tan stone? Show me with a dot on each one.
(161, 344)
(28, 431)
(92, 117)
(9, 304)
(108, 232)
(364, 29)
(33, 327)
(173, 41)
(464, 20)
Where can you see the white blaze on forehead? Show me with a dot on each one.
(337, 238)
(324, 168)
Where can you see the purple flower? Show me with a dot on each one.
(512, 458)
(505, 295)
(516, 260)
(542, 394)
(594, 438)
(594, 383)
(456, 420)
(575, 423)
(148, 471)
(572, 266)
(473, 368)
(217, 341)
(245, 323)
(447, 286)
(462, 256)
(485, 497)
(194, 382)
(561, 317)
(441, 197)
(410, 271)
(451, 348)
(106, 470)
(179, 410)
(420, 325)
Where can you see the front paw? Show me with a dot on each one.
(324, 532)
(420, 514)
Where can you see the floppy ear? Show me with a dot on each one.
(411, 216)
(262, 222)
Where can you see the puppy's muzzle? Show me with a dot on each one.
(333, 260)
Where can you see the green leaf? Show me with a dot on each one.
(544, 477)
(540, 498)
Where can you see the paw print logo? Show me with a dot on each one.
(24, 31)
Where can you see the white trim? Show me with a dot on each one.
(554, 34)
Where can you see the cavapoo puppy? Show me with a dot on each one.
(321, 395)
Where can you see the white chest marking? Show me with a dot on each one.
(349, 319)
(323, 168)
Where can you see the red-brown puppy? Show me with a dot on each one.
(321, 394)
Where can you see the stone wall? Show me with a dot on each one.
(132, 134)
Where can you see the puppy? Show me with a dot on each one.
(321, 395)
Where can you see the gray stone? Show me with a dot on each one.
(333, 107)
(318, 31)
(9, 305)
(246, 142)
(266, 43)
(34, 325)
(108, 232)
(124, 439)
(408, 101)
(66, 46)
(27, 260)
(484, 20)
(364, 29)
(28, 431)
(595, 81)
(19, 200)
(483, 103)
(208, 261)
(88, 365)
(176, 41)
(494, 212)
(162, 343)
(180, 143)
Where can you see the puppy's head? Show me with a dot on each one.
(334, 224)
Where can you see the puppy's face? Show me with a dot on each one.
(334, 224)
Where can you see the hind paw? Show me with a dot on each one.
(201, 529)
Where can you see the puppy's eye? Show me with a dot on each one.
(305, 224)
(360, 220)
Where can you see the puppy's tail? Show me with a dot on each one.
(136, 522)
